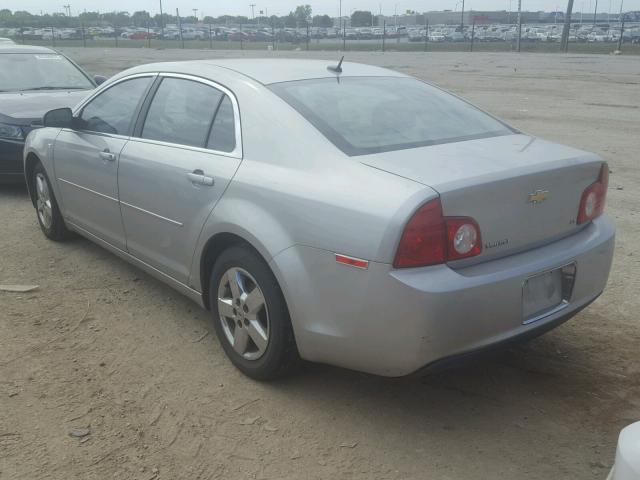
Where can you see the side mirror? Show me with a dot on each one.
(99, 79)
(58, 118)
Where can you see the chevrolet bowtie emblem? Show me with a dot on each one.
(538, 196)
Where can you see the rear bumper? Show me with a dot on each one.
(394, 322)
(467, 357)
(11, 164)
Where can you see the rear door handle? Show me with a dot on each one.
(197, 177)
(108, 156)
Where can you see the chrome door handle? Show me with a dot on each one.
(197, 177)
(108, 156)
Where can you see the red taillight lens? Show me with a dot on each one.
(423, 239)
(594, 197)
(430, 238)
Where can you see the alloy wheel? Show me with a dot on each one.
(43, 201)
(243, 313)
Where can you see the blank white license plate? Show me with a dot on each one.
(541, 294)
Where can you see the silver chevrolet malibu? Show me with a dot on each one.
(338, 213)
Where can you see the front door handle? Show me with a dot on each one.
(197, 177)
(108, 156)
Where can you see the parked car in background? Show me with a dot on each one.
(349, 215)
(238, 36)
(6, 41)
(33, 80)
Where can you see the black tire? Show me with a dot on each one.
(281, 356)
(57, 231)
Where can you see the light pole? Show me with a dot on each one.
(564, 42)
(252, 5)
(195, 13)
(462, 18)
(519, 23)
(595, 14)
(161, 21)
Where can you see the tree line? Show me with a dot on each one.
(301, 16)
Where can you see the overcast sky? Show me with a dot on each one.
(216, 8)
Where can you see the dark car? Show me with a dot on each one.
(33, 80)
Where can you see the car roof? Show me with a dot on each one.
(12, 48)
(267, 71)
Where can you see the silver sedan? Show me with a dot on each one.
(343, 214)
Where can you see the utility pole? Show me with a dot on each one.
(161, 21)
(180, 27)
(595, 14)
(252, 5)
(564, 42)
(426, 31)
(519, 23)
(621, 31)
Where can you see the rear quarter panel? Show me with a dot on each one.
(295, 188)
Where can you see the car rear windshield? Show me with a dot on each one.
(39, 71)
(365, 115)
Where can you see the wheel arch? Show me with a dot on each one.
(212, 249)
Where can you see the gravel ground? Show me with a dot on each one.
(104, 347)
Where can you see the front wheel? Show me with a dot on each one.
(250, 315)
(48, 212)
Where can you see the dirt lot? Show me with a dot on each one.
(104, 346)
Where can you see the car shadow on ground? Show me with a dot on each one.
(13, 191)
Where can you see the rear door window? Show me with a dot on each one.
(182, 112)
(223, 131)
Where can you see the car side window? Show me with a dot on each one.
(223, 131)
(181, 112)
(112, 111)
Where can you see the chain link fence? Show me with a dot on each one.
(583, 38)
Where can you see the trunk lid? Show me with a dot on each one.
(523, 192)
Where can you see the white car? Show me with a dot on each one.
(627, 466)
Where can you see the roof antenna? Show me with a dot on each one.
(337, 68)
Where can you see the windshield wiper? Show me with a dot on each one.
(50, 88)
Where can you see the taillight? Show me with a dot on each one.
(431, 238)
(463, 238)
(594, 197)
(423, 239)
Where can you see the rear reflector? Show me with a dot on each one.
(353, 262)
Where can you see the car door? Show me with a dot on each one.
(86, 159)
(185, 150)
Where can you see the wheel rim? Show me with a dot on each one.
(243, 313)
(43, 201)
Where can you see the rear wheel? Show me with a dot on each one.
(48, 212)
(250, 315)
